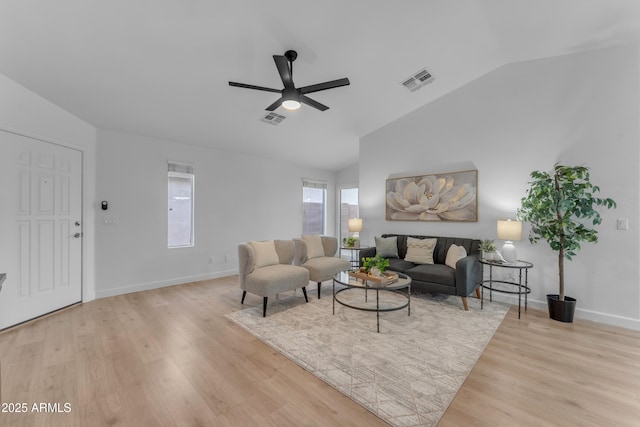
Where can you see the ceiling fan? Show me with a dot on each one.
(292, 97)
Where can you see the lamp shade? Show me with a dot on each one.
(355, 225)
(509, 230)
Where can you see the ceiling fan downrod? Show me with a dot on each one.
(291, 56)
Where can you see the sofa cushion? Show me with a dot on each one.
(315, 248)
(264, 253)
(400, 265)
(420, 251)
(454, 254)
(433, 273)
(387, 247)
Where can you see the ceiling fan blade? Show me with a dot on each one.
(283, 68)
(246, 86)
(325, 86)
(275, 105)
(314, 104)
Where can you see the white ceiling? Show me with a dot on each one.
(161, 68)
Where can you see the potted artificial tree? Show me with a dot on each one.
(560, 206)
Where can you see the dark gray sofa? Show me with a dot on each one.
(439, 277)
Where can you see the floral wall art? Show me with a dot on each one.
(436, 197)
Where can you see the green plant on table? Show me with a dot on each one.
(377, 261)
(488, 245)
(350, 242)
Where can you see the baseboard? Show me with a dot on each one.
(595, 316)
(162, 283)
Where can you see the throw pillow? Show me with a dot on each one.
(387, 247)
(314, 246)
(454, 254)
(264, 253)
(420, 251)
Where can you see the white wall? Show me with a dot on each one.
(237, 198)
(577, 109)
(25, 113)
(348, 175)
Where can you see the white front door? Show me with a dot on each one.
(40, 228)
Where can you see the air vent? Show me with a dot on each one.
(272, 118)
(418, 80)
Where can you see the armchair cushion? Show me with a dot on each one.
(264, 253)
(323, 268)
(315, 248)
(275, 279)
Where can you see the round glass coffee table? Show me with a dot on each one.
(350, 282)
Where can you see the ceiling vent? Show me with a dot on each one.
(418, 80)
(272, 118)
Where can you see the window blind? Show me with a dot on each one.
(180, 167)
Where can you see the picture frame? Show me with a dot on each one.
(450, 197)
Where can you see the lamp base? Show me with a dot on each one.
(509, 251)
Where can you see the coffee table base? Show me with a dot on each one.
(377, 308)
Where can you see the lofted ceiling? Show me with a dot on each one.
(160, 68)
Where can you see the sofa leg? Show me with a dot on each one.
(264, 307)
(304, 291)
(319, 287)
(244, 294)
(478, 293)
(464, 302)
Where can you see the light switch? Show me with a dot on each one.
(622, 224)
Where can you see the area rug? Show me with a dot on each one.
(407, 374)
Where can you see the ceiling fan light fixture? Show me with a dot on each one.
(292, 97)
(291, 105)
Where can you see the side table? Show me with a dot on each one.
(522, 288)
(355, 254)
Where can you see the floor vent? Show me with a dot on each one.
(272, 118)
(418, 80)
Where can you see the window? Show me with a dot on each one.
(314, 207)
(180, 205)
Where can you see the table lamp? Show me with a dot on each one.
(509, 231)
(355, 226)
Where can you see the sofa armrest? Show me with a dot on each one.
(468, 274)
(366, 253)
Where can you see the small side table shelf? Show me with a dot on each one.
(522, 288)
(355, 254)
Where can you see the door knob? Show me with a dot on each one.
(78, 235)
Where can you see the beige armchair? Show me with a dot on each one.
(265, 269)
(317, 255)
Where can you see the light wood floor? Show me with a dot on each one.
(169, 357)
